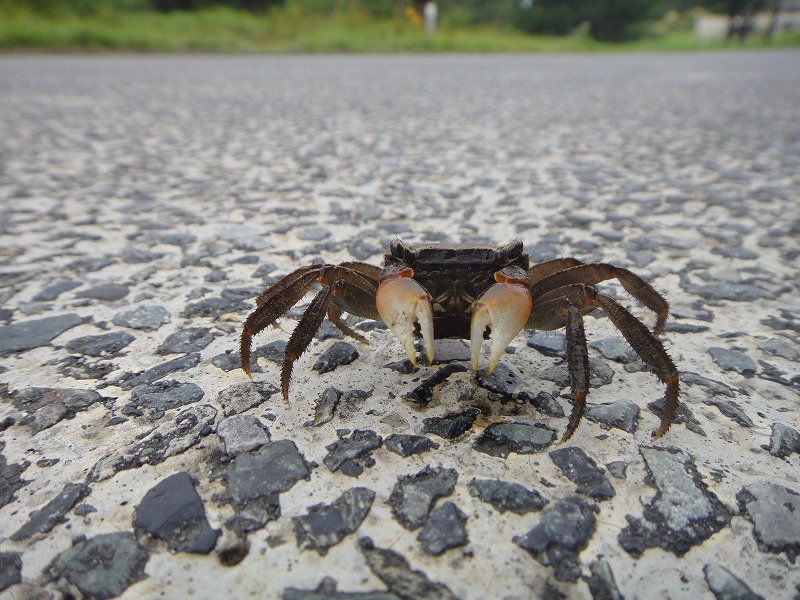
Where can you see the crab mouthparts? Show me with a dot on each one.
(504, 308)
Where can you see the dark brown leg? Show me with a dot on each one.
(544, 269)
(335, 315)
(652, 352)
(272, 303)
(578, 362)
(303, 334)
(592, 274)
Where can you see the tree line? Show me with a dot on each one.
(607, 20)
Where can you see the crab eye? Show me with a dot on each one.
(398, 249)
(511, 252)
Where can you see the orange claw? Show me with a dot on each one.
(504, 308)
(402, 302)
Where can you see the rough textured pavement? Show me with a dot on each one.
(146, 200)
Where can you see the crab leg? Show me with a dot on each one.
(401, 303)
(302, 335)
(592, 274)
(503, 308)
(651, 352)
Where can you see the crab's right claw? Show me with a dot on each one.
(504, 309)
(401, 303)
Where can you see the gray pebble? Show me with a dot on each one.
(545, 402)
(108, 292)
(413, 495)
(781, 347)
(394, 570)
(683, 513)
(191, 339)
(562, 533)
(155, 399)
(123, 563)
(725, 585)
(172, 437)
(184, 363)
(359, 445)
(173, 511)
(452, 425)
(256, 478)
(100, 345)
(549, 343)
(507, 496)
(616, 349)
(54, 290)
(10, 569)
(52, 513)
(599, 373)
(144, 318)
(178, 239)
(582, 470)
(340, 353)
(733, 360)
(325, 407)
(34, 333)
(622, 414)
(406, 444)
(326, 525)
(242, 433)
(502, 381)
(601, 582)
(783, 441)
(500, 439)
(773, 509)
(444, 530)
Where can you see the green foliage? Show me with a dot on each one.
(609, 20)
(251, 5)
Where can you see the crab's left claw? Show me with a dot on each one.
(401, 303)
(504, 308)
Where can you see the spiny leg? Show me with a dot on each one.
(592, 274)
(652, 352)
(578, 363)
(549, 267)
(303, 334)
(273, 303)
(335, 316)
(557, 309)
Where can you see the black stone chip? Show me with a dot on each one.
(561, 535)
(451, 425)
(413, 495)
(101, 567)
(172, 511)
(53, 512)
(581, 469)
(444, 530)
(406, 444)
(500, 439)
(326, 525)
(340, 353)
(507, 496)
(356, 448)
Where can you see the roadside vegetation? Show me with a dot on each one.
(366, 25)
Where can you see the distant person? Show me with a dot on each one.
(431, 14)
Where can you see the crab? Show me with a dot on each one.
(470, 292)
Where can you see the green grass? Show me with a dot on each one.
(288, 30)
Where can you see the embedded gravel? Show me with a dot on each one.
(146, 201)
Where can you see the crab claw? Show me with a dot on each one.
(504, 308)
(401, 303)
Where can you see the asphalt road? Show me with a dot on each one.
(146, 200)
